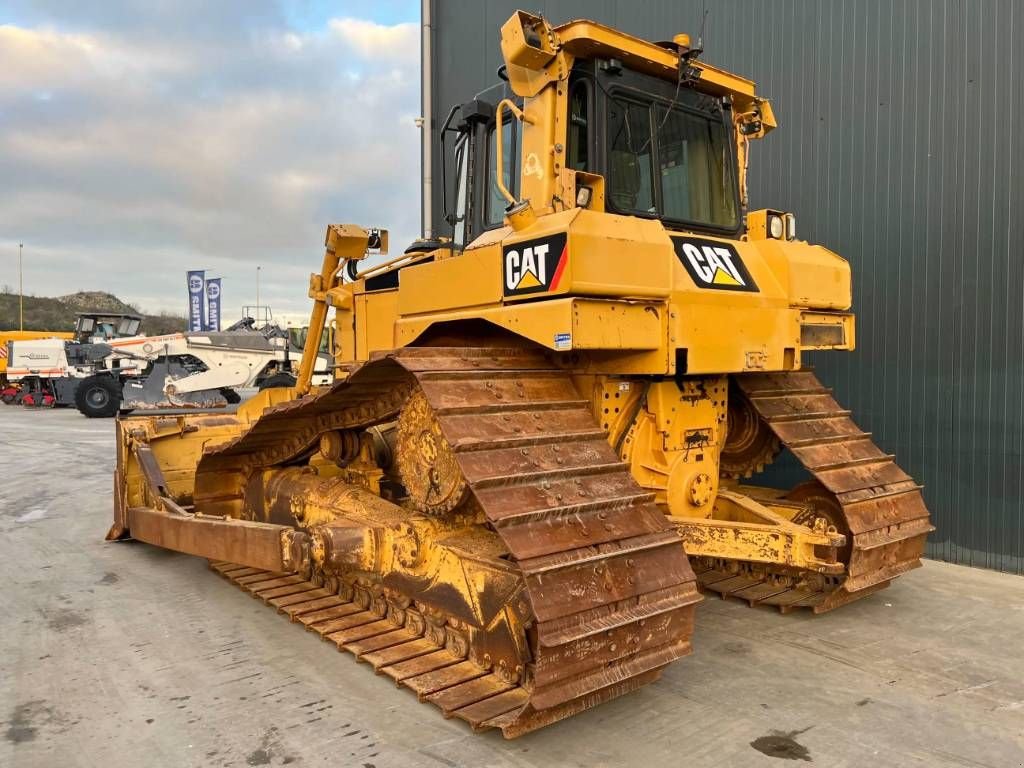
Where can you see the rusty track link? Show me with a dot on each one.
(403, 652)
(611, 593)
(881, 508)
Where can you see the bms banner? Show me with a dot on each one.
(213, 304)
(196, 315)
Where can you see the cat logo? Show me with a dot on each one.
(713, 264)
(535, 266)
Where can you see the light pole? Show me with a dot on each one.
(21, 292)
(257, 293)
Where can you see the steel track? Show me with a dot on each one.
(610, 592)
(882, 509)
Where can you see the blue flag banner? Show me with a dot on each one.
(196, 306)
(213, 304)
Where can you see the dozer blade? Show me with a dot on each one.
(858, 487)
(147, 392)
(602, 595)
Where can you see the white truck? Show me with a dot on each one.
(109, 367)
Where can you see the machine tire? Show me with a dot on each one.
(98, 397)
(277, 380)
(230, 395)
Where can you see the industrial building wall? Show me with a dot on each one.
(898, 147)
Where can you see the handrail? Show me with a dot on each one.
(499, 141)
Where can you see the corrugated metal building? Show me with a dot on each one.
(897, 147)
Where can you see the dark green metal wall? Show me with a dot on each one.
(899, 146)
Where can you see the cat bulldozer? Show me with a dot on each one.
(540, 444)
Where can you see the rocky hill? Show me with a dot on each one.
(96, 301)
(58, 314)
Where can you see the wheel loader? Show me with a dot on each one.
(542, 439)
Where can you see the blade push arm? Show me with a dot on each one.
(344, 243)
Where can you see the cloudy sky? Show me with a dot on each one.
(140, 139)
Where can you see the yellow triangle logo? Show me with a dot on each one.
(722, 278)
(528, 280)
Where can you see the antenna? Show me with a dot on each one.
(703, 24)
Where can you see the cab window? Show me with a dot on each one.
(630, 159)
(579, 123)
(128, 326)
(671, 161)
(697, 181)
(461, 193)
(494, 211)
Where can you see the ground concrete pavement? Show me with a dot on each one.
(126, 655)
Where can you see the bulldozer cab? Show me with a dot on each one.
(657, 146)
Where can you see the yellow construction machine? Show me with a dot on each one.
(534, 451)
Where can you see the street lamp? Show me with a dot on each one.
(21, 292)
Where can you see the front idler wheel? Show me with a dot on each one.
(822, 504)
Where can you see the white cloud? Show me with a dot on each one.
(47, 59)
(127, 156)
(376, 42)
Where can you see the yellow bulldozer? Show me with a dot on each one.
(533, 455)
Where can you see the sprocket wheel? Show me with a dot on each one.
(750, 444)
(426, 461)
